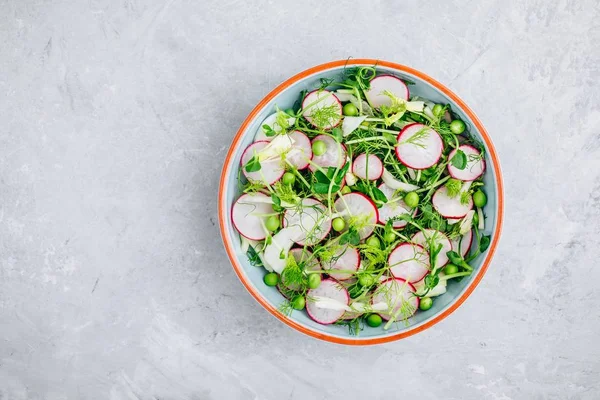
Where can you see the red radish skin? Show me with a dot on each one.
(391, 210)
(399, 289)
(247, 224)
(422, 155)
(311, 103)
(465, 245)
(421, 238)
(473, 170)
(307, 220)
(367, 167)
(346, 259)
(409, 262)
(450, 207)
(270, 171)
(357, 204)
(329, 288)
(304, 153)
(379, 84)
(334, 156)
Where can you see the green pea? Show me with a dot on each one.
(411, 199)
(374, 320)
(350, 110)
(338, 224)
(479, 199)
(457, 126)
(425, 303)
(298, 303)
(373, 241)
(450, 269)
(346, 190)
(314, 281)
(288, 178)
(366, 280)
(319, 147)
(272, 223)
(438, 110)
(291, 112)
(271, 279)
(389, 237)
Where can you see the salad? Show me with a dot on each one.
(362, 202)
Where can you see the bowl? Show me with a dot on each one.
(284, 96)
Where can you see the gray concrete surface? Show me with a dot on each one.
(114, 120)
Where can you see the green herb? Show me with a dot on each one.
(253, 165)
(418, 138)
(268, 130)
(459, 160)
(453, 187)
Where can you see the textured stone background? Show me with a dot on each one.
(114, 120)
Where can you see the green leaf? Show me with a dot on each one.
(431, 281)
(454, 257)
(459, 160)
(484, 243)
(351, 237)
(276, 203)
(379, 196)
(253, 165)
(321, 188)
(268, 130)
(337, 134)
(322, 178)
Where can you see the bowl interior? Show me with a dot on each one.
(254, 276)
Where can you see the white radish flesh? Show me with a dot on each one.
(395, 184)
(350, 124)
(409, 262)
(302, 153)
(424, 237)
(399, 296)
(248, 216)
(270, 170)
(367, 167)
(462, 244)
(358, 207)
(322, 109)
(344, 263)
(276, 253)
(394, 207)
(271, 122)
(475, 164)
(334, 156)
(481, 224)
(450, 207)
(312, 220)
(378, 85)
(467, 221)
(315, 304)
(419, 146)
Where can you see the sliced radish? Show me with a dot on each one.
(375, 95)
(248, 215)
(270, 170)
(334, 156)
(316, 302)
(271, 122)
(450, 207)
(367, 167)
(343, 264)
(358, 209)
(310, 264)
(301, 153)
(409, 261)
(277, 251)
(424, 237)
(322, 109)
(475, 164)
(419, 146)
(462, 244)
(399, 297)
(393, 208)
(312, 220)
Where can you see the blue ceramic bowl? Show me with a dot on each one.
(284, 96)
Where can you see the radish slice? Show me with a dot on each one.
(270, 170)
(248, 216)
(360, 209)
(381, 83)
(395, 184)
(276, 253)
(475, 164)
(409, 262)
(422, 238)
(271, 121)
(367, 167)
(301, 153)
(334, 156)
(310, 264)
(312, 220)
(399, 297)
(322, 109)
(344, 262)
(463, 246)
(316, 302)
(419, 146)
(393, 208)
(450, 207)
